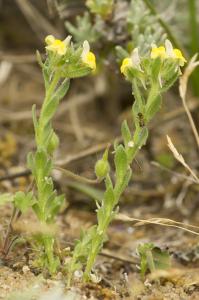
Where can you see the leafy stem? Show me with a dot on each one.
(157, 73)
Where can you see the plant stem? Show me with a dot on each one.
(103, 225)
(137, 94)
(49, 94)
(97, 242)
(47, 240)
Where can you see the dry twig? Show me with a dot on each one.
(180, 158)
(183, 90)
(161, 222)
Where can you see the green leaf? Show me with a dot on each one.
(143, 265)
(37, 211)
(154, 107)
(109, 199)
(49, 110)
(40, 159)
(53, 206)
(153, 258)
(101, 215)
(161, 259)
(53, 143)
(23, 201)
(51, 107)
(169, 82)
(133, 73)
(121, 162)
(84, 29)
(76, 71)
(136, 110)
(121, 185)
(123, 172)
(39, 59)
(34, 117)
(62, 89)
(155, 68)
(108, 182)
(141, 137)
(40, 165)
(46, 136)
(46, 76)
(83, 245)
(142, 251)
(47, 188)
(126, 134)
(31, 163)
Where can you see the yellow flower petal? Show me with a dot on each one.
(90, 60)
(178, 55)
(158, 52)
(127, 62)
(57, 46)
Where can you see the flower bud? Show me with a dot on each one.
(102, 167)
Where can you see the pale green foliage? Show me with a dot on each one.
(153, 258)
(101, 7)
(149, 79)
(57, 71)
(23, 201)
(129, 20)
(143, 28)
(84, 29)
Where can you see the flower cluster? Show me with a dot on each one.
(166, 54)
(64, 51)
(156, 73)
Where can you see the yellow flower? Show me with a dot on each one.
(87, 56)
(127, 62)
(57, 46)
(158, 52)
(174, 53)
(132, 61)
(178, 55)
(90, 60)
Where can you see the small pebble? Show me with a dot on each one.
(25, 269)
